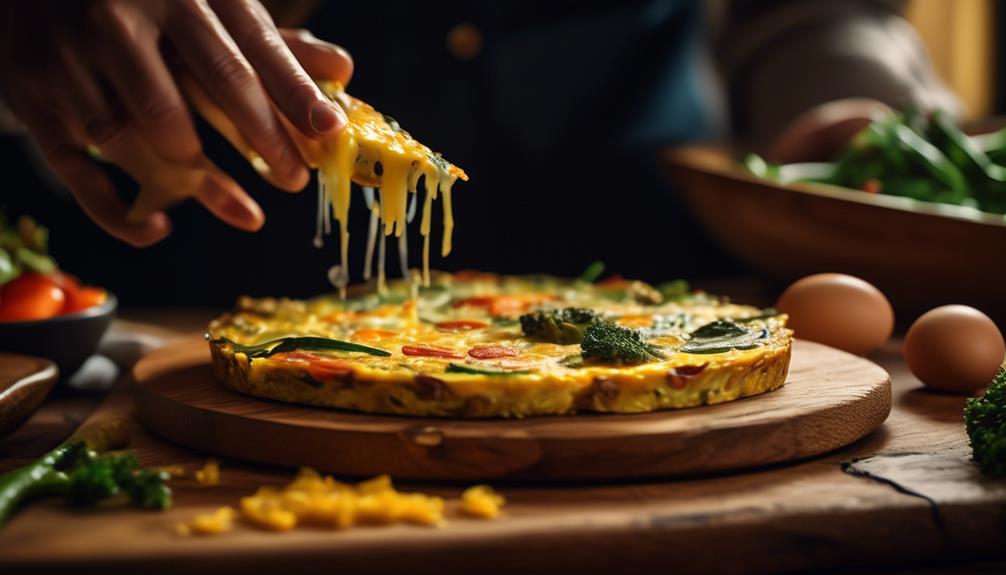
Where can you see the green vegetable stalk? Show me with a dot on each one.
(985, 422)
(84, 472)
(910, 155)
(306, 343)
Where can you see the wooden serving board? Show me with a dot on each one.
(830, 400)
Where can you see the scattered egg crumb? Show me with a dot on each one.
(209, 475)
(220, 521)
(174, 470)
(313, 499)
(321, 501)
(482, 502)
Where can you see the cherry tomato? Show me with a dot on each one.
(83, 298)
(66, 282)
(29, 297)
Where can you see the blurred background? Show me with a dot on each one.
(556, 110)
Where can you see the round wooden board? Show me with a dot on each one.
(830, 399)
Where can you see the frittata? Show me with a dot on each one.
(477, 345)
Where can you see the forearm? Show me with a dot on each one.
(788, 57)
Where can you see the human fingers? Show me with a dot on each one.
(86, 181)
(220, 67)
(229, 202)
(130, 58)
(322, 60)
(295, 93)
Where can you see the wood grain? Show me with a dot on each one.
(830, 400)
(25, 381)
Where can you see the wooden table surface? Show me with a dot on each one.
(914, 501)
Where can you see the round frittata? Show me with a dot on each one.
(478, 345)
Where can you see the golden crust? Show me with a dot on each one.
(537, 379)
(611, 390)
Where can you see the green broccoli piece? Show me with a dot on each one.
(985, 421)
(563, 326)
(609, 343)
(80, 473)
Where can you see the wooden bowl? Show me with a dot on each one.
(920, 254)
(24, 383)
(67, 340)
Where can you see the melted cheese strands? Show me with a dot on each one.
(373, 151)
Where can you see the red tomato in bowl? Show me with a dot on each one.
(83, 298)
(66, 282)
(29, 297)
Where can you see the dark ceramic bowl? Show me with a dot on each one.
(67, 340)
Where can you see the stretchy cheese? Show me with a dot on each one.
(372, 151)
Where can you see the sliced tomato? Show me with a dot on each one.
(479, 301)
(84, 298)
(493, 351)
(461, 325)
(431, 351)
(329, 369)
(505, 305)
(29, 297)
(294, 356)
(319, 368)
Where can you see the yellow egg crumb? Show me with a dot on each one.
(209, 475)
(220, 521)
(322, 501)
(314, 499)
(482, 502)
(174, 470)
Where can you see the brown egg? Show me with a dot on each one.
(839, 310)
(954, 348)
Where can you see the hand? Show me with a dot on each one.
(823, 131)
(99, 73)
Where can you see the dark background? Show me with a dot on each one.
(578, 183)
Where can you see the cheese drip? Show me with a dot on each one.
(373, 151)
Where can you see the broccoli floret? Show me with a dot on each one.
(985, 421)
(101, 477)
(76, 471)
(609, 343)
(563, 326)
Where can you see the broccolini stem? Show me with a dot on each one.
(39, 478)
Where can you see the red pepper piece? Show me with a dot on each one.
(493, 351)
(429, 351)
